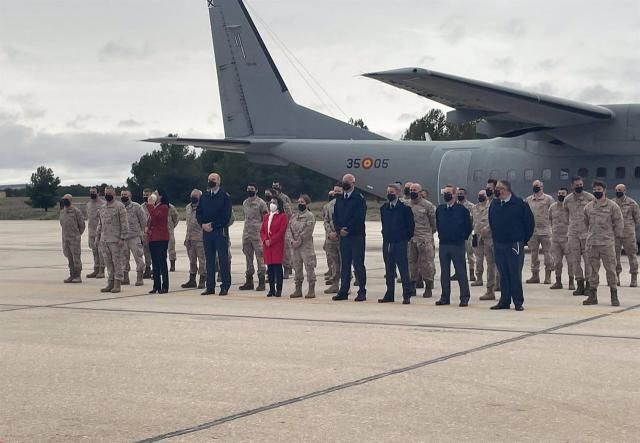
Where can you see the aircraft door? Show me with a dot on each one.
(454, 169)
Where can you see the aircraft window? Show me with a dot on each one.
(620, 172)
(564, 174)
(601, 172)
(511, 174)
(583, 172)
(546, 174)
(477, 175)
(636, 173)
(528, 175)
(496, 174)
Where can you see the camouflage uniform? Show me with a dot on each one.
(93, 206)
(174, 219)
(254, 209)
(113, 229)
(604, 224)
(574, 205)
(301, 228)
(559, 221)
(287, 262)
(145, 246)
(331, 247)
(631, 217)
(484, 248)
(421, 246)
(541, 234)
(195, 244)
(72, 223)
(133, 242)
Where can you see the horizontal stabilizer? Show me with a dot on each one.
(223, 145)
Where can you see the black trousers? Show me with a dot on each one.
(395, 254)
(455, 254)
(352, 252)
(276, 277)
(158, 250)
(217, 243)
(510, 260)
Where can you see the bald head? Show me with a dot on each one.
(214, 180)
(348, 182)
(621, 188)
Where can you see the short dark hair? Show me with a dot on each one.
(279, 202)
(599, 183)
(164, 197)
(460, 188)
(306, 198)
(493, 181)
(564, 189)
(507, 184)
(575, 179)
(252, 184)
(148, 190)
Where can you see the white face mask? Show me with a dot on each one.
(273, 207)
(152, 199)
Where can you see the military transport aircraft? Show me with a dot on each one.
(535, 136)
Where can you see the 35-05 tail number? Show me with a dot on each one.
(367, 163)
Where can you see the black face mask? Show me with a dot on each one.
(561, 198)
(108, 197)
(146, 199)
(124, 200)
(414, 195)
(195, 200)
(536, 189)
(497, 193)
(579, 190)
(66, 203)
(213, 184)
(461, 198)
(619, 194)
(346, 186)
(302, 207)
(482, 199)
(268, 196)
(489, 192)
(93, 196)
(251, 193)
(337, 195)
(391, 197)
(407, 192)
(276, 188)
(598, 195)
(447, 196)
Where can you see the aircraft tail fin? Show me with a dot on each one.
(255, 99)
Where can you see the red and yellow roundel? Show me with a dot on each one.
(367, 163)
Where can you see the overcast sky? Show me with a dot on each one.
(81, 81)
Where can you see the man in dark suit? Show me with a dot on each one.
(348, 219)
(512, 226)
(213, 214)
(397, 229)
(454, 227)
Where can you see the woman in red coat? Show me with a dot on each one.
(272, 233)
(158, 237)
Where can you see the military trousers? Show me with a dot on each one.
(112, 253)
(72, 251)
(560, 251)
(252, 246)
(421, 255)
(468, 247)
(631, 249)
(534, 244)
(147, 253)
(98, 261)
(197, 259)
(484, 251)
(332, 248)
(133, 246)
(607, 255)
(172, 245)
(577, 251)
(304, 259)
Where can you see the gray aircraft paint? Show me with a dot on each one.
(263, 122)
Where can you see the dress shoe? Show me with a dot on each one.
(163, 291)
(499, 306)
(386, 300)
(153, 291)
(406, 301)
(339, 297)
(464, 304)
(442, 303)
(223, 292)
(271, 294)
(209, 292)
(360, 298)
(519, 308)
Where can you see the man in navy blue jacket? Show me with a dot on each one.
(512, 225)
(454, 228)
(397, 229)
(348, 219)
(213, 214)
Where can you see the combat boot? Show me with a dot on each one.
(420, 284)
(327, 274)
(312, 291)
(428, 289)
(261, 283)
(147, 272)
(202, 283)
(109, 286)
(76, 277)
(297, 293)
(472, 274)
(572, 286)
(535, 277)
(489, 295)
(581, 288)
(191, 283)
(592, 294)
(139, 281)
(617, 279)
(614, 297)
(100, 273)
(248, 285)
(173, 266)
(94, 273)
(125, 279)
(116, 287)
(478, 281)
(547, 277)
(286, 273)
(333, 289)
(557, 284)
(634, 280)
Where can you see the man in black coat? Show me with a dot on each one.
(512, 226)
(348, 219)
(213, 214)
(454, 227)
(397, 229)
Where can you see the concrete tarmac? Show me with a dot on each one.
(78, 365)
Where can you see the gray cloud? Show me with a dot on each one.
(130, 123)
(121, 51)
(80, 120)
(17, 55)
(514, 28)
(599, 94)
(28, 104)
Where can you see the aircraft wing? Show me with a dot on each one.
(506, 111)
(223, 145)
